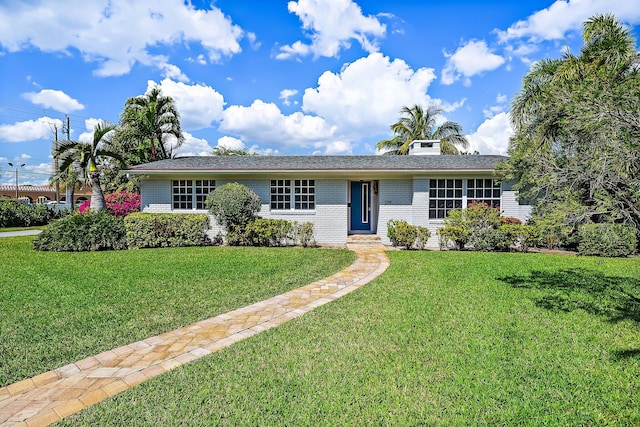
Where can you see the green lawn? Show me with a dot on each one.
(56, 308)
(441, 338)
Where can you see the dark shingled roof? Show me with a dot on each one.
(254, 164)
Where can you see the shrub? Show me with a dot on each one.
(303, 234)
(453, 235)
(233, 205)
(17, 214)
(90, 232)
(517, 236)
(121, 203)
(155, 230)
(606, 239)
(269, 232)
(510, 220)
(403, 234)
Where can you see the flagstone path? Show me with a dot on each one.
(53, 395)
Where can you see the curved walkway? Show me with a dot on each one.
(53, 395)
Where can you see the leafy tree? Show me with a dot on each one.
(418, 123)
(577, 121)
(85, 157)
(224, 151)
(150, 127)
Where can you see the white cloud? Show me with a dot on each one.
(285, 94)
(332, 25)
(230, 143)
(90, 125)
(367, 95)
(264, 123)
(198, 105)
(36, 174)
(334, 148)
(29, 130)
(567, 15)
(54, 99)
(492, 136)
(193, 146)
(116, 34)
(470, 59)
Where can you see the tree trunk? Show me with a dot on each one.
(97, 197)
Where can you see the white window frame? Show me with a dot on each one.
(190, 194)
(298, 195)
(443, 198)
(484, 190)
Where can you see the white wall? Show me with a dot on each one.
(395, 197)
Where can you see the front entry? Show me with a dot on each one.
(360, 205)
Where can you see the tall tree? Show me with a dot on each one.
(576, 145)
(151, 122)
(417, 123)
(85, 158)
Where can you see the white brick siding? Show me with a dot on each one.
(401, 199)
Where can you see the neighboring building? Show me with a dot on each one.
(341, 195)
(36, 194)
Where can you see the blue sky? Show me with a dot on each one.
(274, 77)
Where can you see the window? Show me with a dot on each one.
(305, 194)
(42, 199)
(280, 194)
(303, 190)
(444, 195)
(184, 193)
(483, 190)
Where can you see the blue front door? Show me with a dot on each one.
(361, 205)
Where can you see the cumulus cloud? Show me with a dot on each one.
(334, 148)
(55, 99)
(367, 95)
(230, 143)
(472, 58)
(264, 123)
(553, 22)
(29, 130)
(133, 29)
(286, 94)
(199, 105)
(332, 25)
(492, 136)
(193, 146)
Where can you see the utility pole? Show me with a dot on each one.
(16, 167)
(69, 193)
(56, 166)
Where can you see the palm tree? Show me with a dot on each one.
(152, 120)
(84, 157)
(417, 123)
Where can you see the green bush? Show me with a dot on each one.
(303, 234)
(233, 205)
(18, 214)
(78, 232)
(607, 239)
(403, 234)
(456, 235)
(156, 230)
(517, 236)
(269, 232)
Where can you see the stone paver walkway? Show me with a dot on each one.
(53, 395)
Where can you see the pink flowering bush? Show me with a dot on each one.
(121, 203)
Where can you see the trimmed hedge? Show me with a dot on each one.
(271, 232)
(159, 230)
(78, 232)
(233, 205)
(607, 240)
(18, 214)
(403, 234)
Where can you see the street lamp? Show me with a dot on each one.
(16, 168)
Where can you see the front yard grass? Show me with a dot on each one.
(56, 308)
(441, 338)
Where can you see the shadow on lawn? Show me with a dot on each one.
(615, 298)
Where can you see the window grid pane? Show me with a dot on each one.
(484, 191)
(203, 188)
(280, 194)
(305, 197)
(444, 195)
(182, 194)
